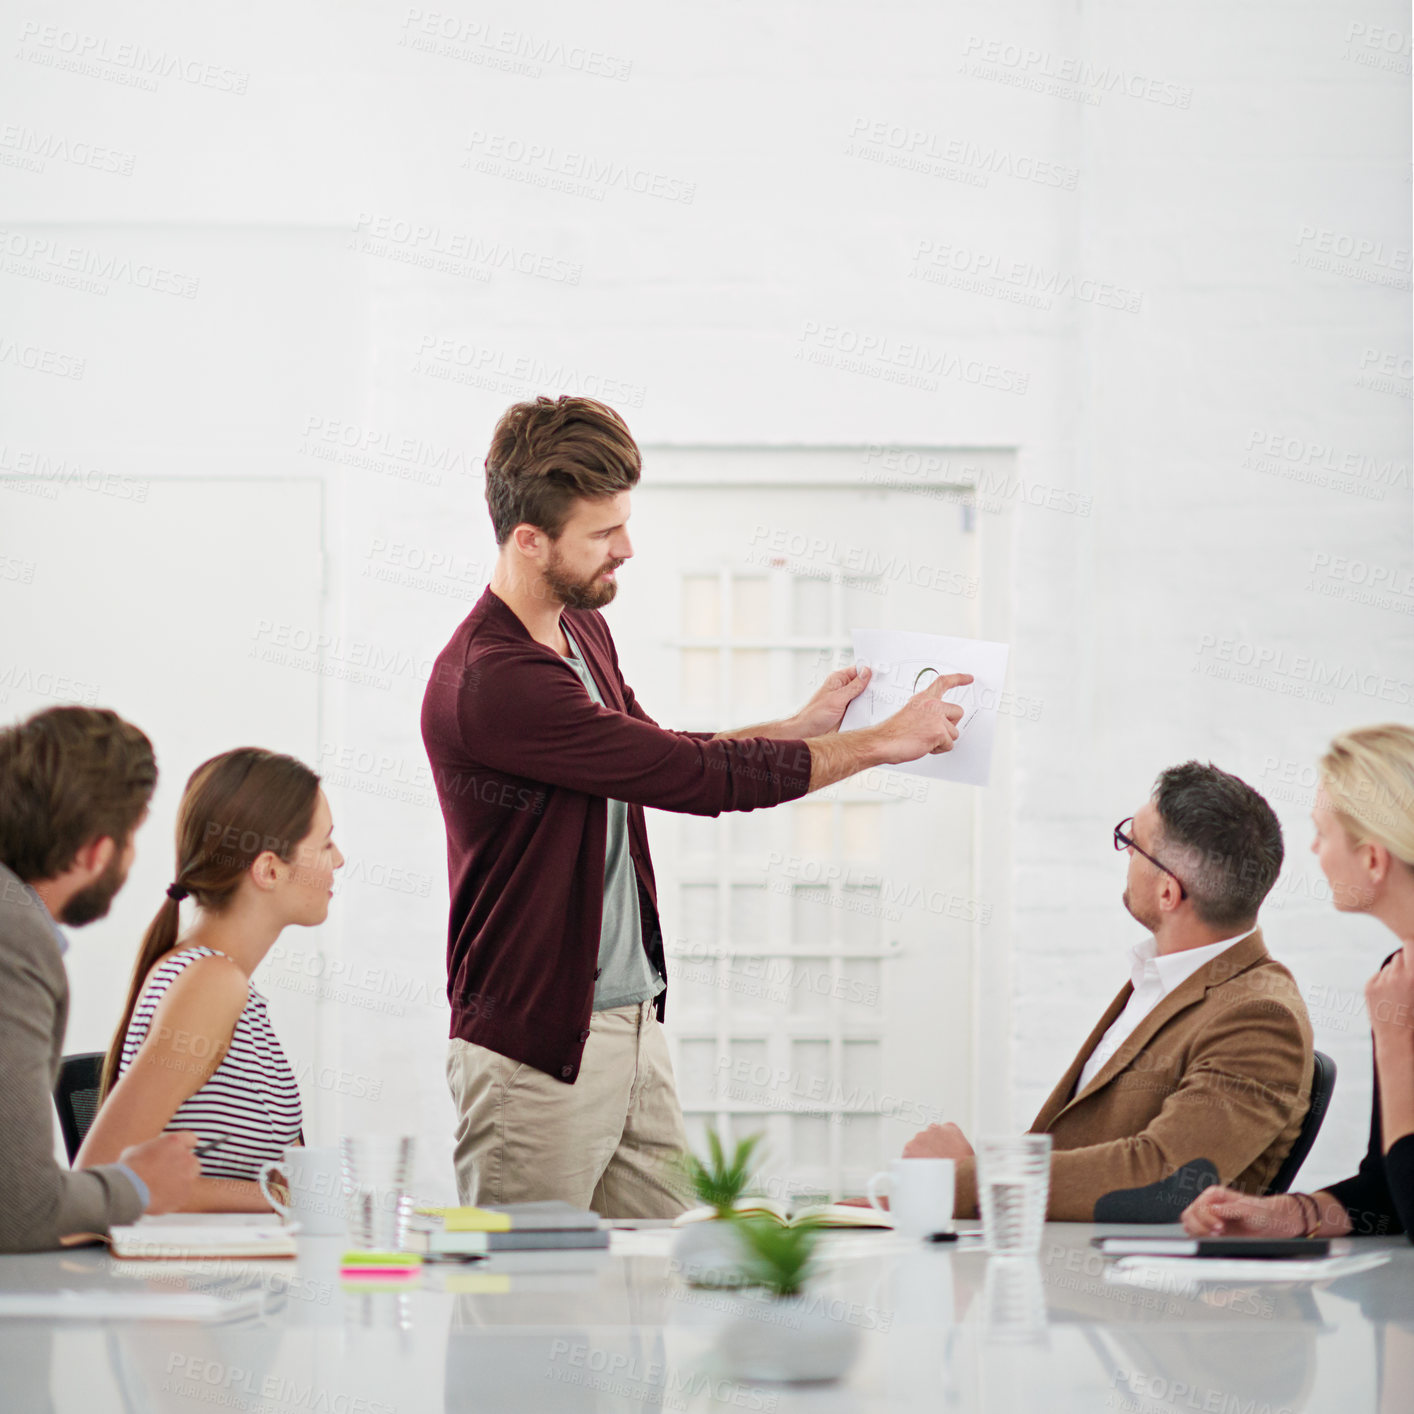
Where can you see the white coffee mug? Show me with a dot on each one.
(314, 1181)
(920, 1195)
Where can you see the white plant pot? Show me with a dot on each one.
(709, 1253)
(786, 1338)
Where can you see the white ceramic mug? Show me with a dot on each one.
(920, 1195)
(314, 1181)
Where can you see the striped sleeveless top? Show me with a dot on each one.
(252, 1094)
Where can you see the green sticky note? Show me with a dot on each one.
(382, 1259)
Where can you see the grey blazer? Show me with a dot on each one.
(40, 1201)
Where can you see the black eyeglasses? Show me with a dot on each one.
(1124, 841)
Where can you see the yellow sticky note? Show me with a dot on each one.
(477, 1283)
(475, 1220)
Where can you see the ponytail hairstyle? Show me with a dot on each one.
(1368, 776)
(236, 807)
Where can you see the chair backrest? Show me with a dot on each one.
(76, 1096)
(1322, 1084)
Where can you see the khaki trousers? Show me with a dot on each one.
(609, 1142)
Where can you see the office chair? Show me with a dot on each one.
(1322, 1084)
(76, 1096)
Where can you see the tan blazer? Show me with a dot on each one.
(1211, 1086)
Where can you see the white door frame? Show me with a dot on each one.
(947, 473)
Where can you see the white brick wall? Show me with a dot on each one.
(1200, 163)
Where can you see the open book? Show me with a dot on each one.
(788, 1214)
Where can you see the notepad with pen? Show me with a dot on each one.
(203, 1235)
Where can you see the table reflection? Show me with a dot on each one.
(1153, 1370)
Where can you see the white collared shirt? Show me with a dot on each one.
(1154, 976)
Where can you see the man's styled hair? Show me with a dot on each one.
(1221, 838)
(68, 776)
(547, 454)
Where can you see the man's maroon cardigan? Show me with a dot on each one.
(524, 760)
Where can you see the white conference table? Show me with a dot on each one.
(941, 1326)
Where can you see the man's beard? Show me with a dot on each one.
(93, 902)
(590, 593)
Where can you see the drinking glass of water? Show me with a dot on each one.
(376, 1171)
(1013, 1184)
(1014, 1301)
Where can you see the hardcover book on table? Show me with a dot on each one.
(507, 1227)
(549, 1215)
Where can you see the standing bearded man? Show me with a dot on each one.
(544, 760)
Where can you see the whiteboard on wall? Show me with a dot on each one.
(156, 598)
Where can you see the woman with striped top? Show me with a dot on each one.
(195, 1049)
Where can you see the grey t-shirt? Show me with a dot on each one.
(625, 973)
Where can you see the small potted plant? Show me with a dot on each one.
(708, 1250)
(781, 1334)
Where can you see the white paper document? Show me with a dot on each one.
(903, 664)
(98, 1305)
(1173, 1273)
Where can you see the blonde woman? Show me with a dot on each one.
(1364, 819)
(195, 1049)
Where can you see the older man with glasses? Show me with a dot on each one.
(1199, 1071)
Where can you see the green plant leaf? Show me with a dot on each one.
(720, 1181)
(782, 1259)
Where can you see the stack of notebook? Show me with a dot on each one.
(507, 1227)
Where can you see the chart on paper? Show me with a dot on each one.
(903, 664)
